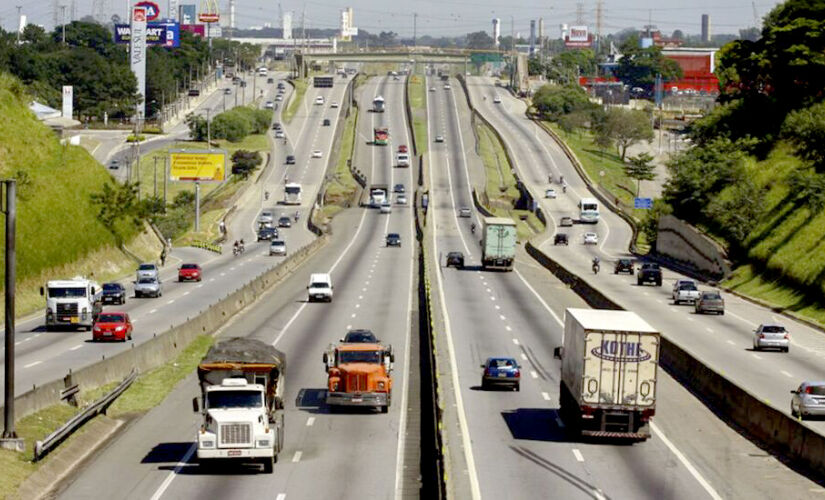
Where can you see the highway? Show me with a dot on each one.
(722, 342)
(341, 455)
(515, 441)
(43, 356)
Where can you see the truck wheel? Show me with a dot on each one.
(638, 282)
(517, 387)
(658, 282)
(385, 409)
(269, 465)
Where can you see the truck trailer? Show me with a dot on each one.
(609, 364)
(241, 384)
(498, 245)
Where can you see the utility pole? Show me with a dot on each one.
(10, 440)
(415, 30)
(165, 179)
(155, 176)
(19, 7)
(63, 13)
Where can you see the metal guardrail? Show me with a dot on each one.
(42, 448)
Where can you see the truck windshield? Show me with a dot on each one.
(67, 293)
(359, 357)
(319, 284)
(234, 399)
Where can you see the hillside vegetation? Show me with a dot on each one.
(57, 222)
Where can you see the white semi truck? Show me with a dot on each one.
(73, 303)
(498, 246)
(609, 364)
(241, 403)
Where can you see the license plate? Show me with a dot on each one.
(357, 400)
(502, 375)
(74, 319)
(233, 453)
(107, 334)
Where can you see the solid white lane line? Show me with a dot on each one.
(545, 396)
(310, 421)
(297, 456)
(35, 363)
(281, 496)
(171, 476)
(689, 466)
(740, 318)
(578, 455)
(783, 372)
(78, 346)
(536, 294)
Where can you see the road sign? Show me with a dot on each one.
(197, 165)
(643, 203)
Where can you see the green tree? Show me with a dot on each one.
(117, 205)
(567, 66)
(639, 66)
(737, 210)
(231, 126)
(805, 129)
(197, 127)
(554, 101)
(245, 162)
(624, 127)
(641, 168)
(479, 40)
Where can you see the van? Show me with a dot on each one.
(402, 159)
(320, 287)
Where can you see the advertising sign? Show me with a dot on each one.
(137, 55)
(578, 36)
(197, 165)
(68, 99)
(165, 33)
(152, 9)
(188, 14)
(196, 29)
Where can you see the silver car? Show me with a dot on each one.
(266, 217)
(148, 287)
(808, 400)
(771, 336)
(277, 247)
(147, 270)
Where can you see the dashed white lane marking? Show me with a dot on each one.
(360, 297)
(645, 293)
(731, 342)
(524, 356)
(199, 285)
(492, 298)
(170, 301)
(231, 269)
(503, 318)
(515, 341)
(35, 363)
(545, 396)
(310, 421)
(783, 372)
(357, 306)
(297, 456)
(578, 455)
(222, 274)
(78, 346)
(353, 315)
(363, 289)
(187, 292)
(281, 496)
(508, 328)
(756, 355)
(710, 330)
(534, 374)
(489, 291)
(498, 307)
(153, 311)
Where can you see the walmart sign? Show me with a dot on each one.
(165, 33)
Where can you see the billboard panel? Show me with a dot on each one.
(152, 9)
(197, 165)
(196, 29)
(166, 33)
(578, 36)
(137, 55)
(188, 14)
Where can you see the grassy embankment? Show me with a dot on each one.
(58, 232)
(500, 188)
(297, 98)
(146, 392)
(418, 106)
(595, 161)
(342, 186)
(212, 194)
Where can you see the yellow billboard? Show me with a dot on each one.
(197, 165)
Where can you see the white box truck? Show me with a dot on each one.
(498, 246)
(609, 364)
(73, 303)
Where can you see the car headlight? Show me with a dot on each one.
(263, 443)
(207, 444)
(381, 384)
(120, 328)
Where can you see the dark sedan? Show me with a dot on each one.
(455, 259)
(623, 266)
(267, 233)
(501, 371)
(360, 337)
(114, 293)
(393, 240)
(560, 239)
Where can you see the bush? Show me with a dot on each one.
(805, 129)
(555, 101)
(184, 199)
(245, 162)
(233, 127)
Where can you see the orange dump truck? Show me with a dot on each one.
(359, 375)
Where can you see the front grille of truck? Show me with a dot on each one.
(357, 383)
(67, 309)
(235, 434)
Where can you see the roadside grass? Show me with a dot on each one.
(148, 391)
(209, 231)
(341, 186)
(89, 144)
(418, 105)
(296, 99)
(378, 69)
(500, 186)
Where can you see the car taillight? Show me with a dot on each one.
(809, 390)
(761, 335)
(517, 373)
(787, 336)
(646, 414)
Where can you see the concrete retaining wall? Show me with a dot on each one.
(687, 245)
(779, 433)
(165, 345)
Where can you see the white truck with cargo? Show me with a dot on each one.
(72, 303)
(609, 364)
(498, 244)
(242, 389)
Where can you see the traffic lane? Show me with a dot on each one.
(145, 455)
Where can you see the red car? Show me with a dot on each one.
(187, 272)
(112, 326)
(402, 148)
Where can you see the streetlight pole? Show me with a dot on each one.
(10, 440)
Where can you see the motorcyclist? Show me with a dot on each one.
(266, 195)
(561, 179)
(595, 265)
(473, 228)
(235, 248)
(241, 246)
(297, 214)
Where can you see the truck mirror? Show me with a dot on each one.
(42, 291)
(558, 352)
(93, 290)
(326, 358)
(195, 407)
(392, 358)
(278, 404)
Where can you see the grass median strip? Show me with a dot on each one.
(500, 192)
(296, 100)
(342, 186)
(418, 105)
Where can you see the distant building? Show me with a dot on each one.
(286, 25)
(532, 37)
(698, 66)
(347, 29)
(497, 31)
(706, 27)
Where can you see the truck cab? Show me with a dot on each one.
(359, 375)
(76, 302)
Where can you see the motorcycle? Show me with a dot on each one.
(473, 228)
(595, 268)
(266, 195)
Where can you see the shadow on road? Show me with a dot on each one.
(167, 453)
(557, 470)
(535, 424)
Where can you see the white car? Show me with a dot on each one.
(771, 336)
(317, 153)
(447, 86)
(401, 199)
(465, 212)
(432, 89)
(279, 98)
(279, 134)
(269, 105)
(277, 247)
(550, 193)
(266, 216)
(333, 104)
(591, 239)
(319, 100)
(439, 138)
(497, 100)
(386, 207)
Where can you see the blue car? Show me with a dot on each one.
(501, 371)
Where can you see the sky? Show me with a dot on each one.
(449, 18)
